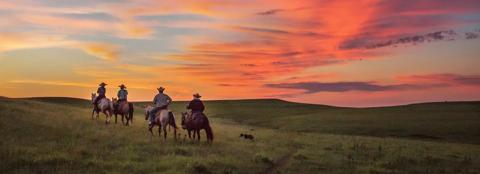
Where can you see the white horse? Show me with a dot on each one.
(163, 118)
(105, 106)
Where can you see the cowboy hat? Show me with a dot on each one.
(197, 95)
(102, 84)
(122, 86)
(161, 88)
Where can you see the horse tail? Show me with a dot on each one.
(208, 129)
(130, 111)
(172, 119)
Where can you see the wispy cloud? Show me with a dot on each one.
(451, 79)
(446, 35)
(314, 87)
(413, 82)
(14, 41)
(270, 12)
(105, 51)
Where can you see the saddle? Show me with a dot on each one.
(193, 116)
(157, 114)
(122, 105)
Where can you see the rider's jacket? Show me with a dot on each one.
(101, 90)
(122, 94)
(196, 105)
(162, 100)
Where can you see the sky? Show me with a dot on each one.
(347, 53)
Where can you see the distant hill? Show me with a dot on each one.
(62, 100)
(440, 121)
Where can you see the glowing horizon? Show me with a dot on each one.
(344, 53)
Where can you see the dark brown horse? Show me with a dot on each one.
(125, 109)
(196, 123)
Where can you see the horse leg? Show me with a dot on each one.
(109, 114)
(126, 117)
(175, 133)
(93, 112)
(150, 129)
(97, 114)
(107, 118)
(130, 120)
(189, 136)
(194, 134)
(160, 131)
(164, 132)
(123, 122)
(198, 134)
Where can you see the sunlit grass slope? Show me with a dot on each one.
(57, 136)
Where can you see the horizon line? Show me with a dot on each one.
(139, 101)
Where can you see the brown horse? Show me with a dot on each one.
(196, 123)
(105, 106)
(163, 118)
(125, 109)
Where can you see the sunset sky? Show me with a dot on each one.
(346, 53)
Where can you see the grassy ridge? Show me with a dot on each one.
(50, 136)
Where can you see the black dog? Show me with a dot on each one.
(247, 136)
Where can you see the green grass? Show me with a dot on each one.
(55, 135)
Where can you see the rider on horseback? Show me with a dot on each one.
(196, 105)
(161, 101)
(122, 93)
(122, 96)
(101, 94)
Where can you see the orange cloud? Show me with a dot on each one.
(104, 51)
(133, 30)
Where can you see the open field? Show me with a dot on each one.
(45, 135)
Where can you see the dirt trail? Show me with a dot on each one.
(281, 162)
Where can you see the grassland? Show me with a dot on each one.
(56, 135)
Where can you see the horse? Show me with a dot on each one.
(125, 109)
(105, 106)
(196, 123)
(163, 118)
